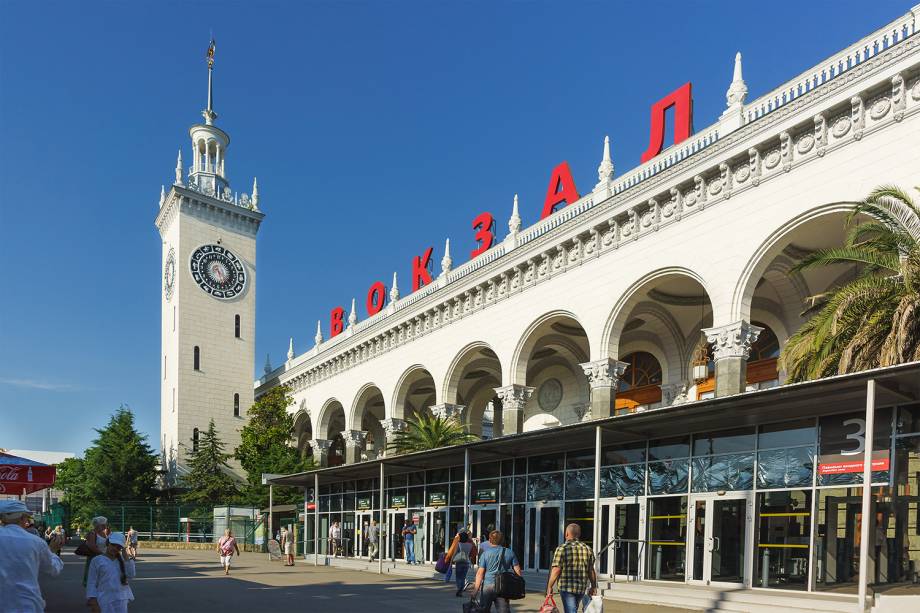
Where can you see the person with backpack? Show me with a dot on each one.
(573, 568)
(493, 561)
(226, 546)
(462, 554)
(107, 589)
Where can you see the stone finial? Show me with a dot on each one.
(514, 223)
(179, 169)
(162, 195)
(268, 364)
(290, 353)
(446, 261)
(352, 315)
(605, 170)
(737, 91)
(394, 290)
(255, 194)
(319, 333)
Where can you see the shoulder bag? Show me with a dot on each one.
(84, 550)
(508, 584)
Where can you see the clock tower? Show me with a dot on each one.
(208, 297)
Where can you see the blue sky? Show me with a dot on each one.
(376, 129)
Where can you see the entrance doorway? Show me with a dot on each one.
(436, 533)
(485, 519)
(544, 533)
(621, 527)
(717, 541)
(363, 522)
(395, 522)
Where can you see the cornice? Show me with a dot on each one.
(207, 207)
(766, 148)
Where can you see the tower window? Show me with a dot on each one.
(236, 405)
(237, 326)
(195, 439)
(197, 359)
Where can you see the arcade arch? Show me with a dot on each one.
(470, 383)
(303, 431)
(366, 417)
(332, 429)
(415, 393)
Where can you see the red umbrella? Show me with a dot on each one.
(21, 476)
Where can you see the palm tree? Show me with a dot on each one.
(425, 432)
(873, 320)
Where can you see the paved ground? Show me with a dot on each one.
(192, 581)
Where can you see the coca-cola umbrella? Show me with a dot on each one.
(21, 476)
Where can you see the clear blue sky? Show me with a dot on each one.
(376, 129)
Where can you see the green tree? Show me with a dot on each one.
(872, 320)
(71, 479)
(209, 479)
(425, 432)
(266, 447)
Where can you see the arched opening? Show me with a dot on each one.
(303, 432)
(549, 361)
(367, 416)
(332, 426)
(640, 385)
(415, 393)
(471, 383)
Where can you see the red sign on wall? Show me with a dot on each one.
(18, 478)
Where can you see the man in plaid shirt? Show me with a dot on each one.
(573, 568)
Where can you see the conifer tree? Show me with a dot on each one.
(209, 479)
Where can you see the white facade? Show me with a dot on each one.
(699, 240)
(208, 336)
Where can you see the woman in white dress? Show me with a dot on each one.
(107, 589)
(287, 542)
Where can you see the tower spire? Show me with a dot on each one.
(209, 114)
(737, 91)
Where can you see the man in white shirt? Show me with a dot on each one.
(22, 557)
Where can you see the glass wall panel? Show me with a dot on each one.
(723, 472)
(631, 453)
(417, 496)
(625, 480)
(724, 441)
(837, 541)
(579, 484)
(456, 493)
(793, 467)
(417, 478)
(484, 471)
(436, 496)
(909, 419)
(456, 473)
(547, 486)
(788, 434)
(517, 532)
(507, 489)
(897, 544)
(666, 449)
(520, 489)
(545, 463)
(667, 538)
(580, 459)
(438, 475)
(668, 477)
(581, 513)
(783, 529)
(842, 444)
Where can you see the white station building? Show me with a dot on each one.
(619, 358)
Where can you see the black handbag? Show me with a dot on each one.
(508, 584)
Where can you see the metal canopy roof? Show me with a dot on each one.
(895, 384)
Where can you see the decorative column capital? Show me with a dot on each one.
(447, 410)
(604, 373)
(732, 340)
(674, 393)
(583, 411)
(514, 396)
(392, 425)
(320, 444)
(354, 439)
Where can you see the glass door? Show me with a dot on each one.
(620, 537)
(436, 533)
(718, 550)
(394, 543)
(362, 522)
(543, 527)
(485, 519)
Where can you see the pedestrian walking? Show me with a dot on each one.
(335, 539)
(107, 589)
(56, 540)
(287, 545)
(573, 569)
(225, 547)
(408, 532)
(131, 536)
(22, 557)
(462, 554)
(493, 560)
(373, 539)
(95, 542)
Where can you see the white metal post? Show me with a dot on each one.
(316, 540)
(270, 516)
(867, 522)
(380, 525)
(466, 487)
(597, 498)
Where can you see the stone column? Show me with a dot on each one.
(731, 346)
(320, 448)
(603, 376)
(514, 398)
(354, 445)
(392, 426)
(446, 411)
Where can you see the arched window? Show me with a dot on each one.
(237, 326)
(195, 439)
(640, 384)
(236, 405)
(197, 358)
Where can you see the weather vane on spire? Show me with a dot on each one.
(209, 114)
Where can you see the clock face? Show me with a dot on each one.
(218, 271)
(169, 274)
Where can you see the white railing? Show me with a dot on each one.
(882, 39)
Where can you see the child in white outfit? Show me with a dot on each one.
(107, 589)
